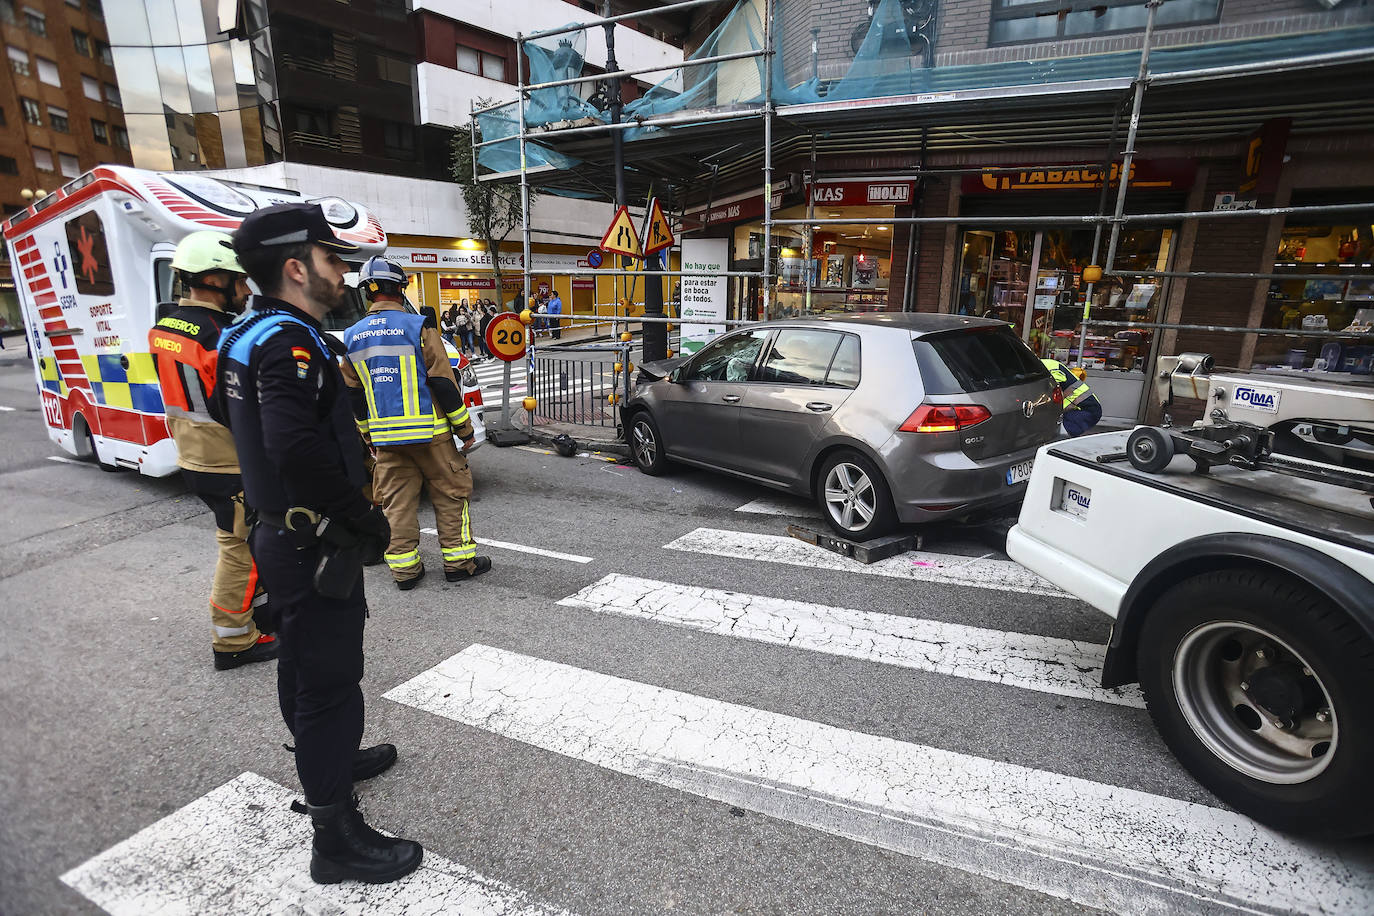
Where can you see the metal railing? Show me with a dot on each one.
(585, 385)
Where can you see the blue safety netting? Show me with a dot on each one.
(863, 49)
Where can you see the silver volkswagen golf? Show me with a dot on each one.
(882, 418)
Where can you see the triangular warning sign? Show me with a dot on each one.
(621, 238)
(658, 236)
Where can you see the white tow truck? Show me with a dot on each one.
(1236, 557)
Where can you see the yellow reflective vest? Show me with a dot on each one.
(1074, 390)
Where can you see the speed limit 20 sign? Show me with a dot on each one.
(506, 337)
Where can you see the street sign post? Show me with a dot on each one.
(507, 339)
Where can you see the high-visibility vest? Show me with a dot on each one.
(1074, 390)
(385, 351)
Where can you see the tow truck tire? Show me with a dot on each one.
(1201, 652)
(1150, 449)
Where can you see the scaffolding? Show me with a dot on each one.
(779, 99)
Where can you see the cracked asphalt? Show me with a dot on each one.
(111, 716)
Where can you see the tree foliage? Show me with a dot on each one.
(493, 207)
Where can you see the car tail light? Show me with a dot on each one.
(944, 418)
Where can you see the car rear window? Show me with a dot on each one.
(975, 359)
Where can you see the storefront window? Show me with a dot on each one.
(1329, 302)
(995, 281)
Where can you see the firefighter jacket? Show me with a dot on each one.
(400, 379)
(279, 390)
(185, 346)
(1074, 390)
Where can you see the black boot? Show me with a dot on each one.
(265, 649)
(346, 849)
(372, 761)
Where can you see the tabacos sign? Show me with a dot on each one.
(1159, 174)
(860, 193)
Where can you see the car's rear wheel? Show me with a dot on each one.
(854, 496)
(646, 444)
(1262, 688)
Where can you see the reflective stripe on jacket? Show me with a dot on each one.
(1074, 390)
(385, 351)
(184, 345)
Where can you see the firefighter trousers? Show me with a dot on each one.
(319, 667)
(236, 593)
(443, 469)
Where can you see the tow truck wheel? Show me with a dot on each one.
(1262, 688)
(1150, 449)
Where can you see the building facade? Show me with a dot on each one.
(60, 108)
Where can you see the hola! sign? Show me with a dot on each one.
(1157, 174)
(861, 193)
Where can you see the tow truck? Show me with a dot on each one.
(1236, 558)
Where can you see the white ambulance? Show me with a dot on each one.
(92, 261)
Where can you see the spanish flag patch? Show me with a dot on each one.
(302, 356)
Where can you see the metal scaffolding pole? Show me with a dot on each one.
(767, 280)
(1132, 129)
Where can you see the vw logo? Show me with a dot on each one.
(1028, 408)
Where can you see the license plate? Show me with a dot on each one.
(1019, 473)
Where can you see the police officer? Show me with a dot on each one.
(281, 394)
(408, 403)
(184, 344)
(1082, 410)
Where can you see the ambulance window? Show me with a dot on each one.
(162, 279)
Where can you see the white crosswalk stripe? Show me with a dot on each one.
(975, 572)
(1095, 844)
(240, 849)
(1059, 666)
(788, 506)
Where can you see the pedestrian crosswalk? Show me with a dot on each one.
(1084, 840)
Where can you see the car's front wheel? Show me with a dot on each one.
(646, 444)
(854, 497)
(1264, 690)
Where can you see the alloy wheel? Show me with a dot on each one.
(850, 497)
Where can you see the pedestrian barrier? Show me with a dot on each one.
(579, 384)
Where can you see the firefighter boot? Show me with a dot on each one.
(479, 566)
(264, 650)
(373, 761)
(346, 849)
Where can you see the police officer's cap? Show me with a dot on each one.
(288, 224)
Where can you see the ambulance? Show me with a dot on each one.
(92, 262)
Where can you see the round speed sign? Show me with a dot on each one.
(506, 337)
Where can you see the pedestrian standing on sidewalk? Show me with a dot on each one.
(447, 325)
(185, 346)
(407, 400)
(279, 390)
(487, 313)
(555, 309)
(466, 328)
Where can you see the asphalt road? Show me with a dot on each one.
(588, 756)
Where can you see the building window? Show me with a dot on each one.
(47, 72)
(9, 165)
(398, 140)
(100, 131)
(71, 166)
(19, 60)
(36, 21)
(57, 119)
(7, 12)
(393, 70)
(82, 42)
(121, 138)
(469, 60)
(97, 8)
(482, 63)
(102, 51)
(1020, 21)
(42, 158)
(112, 96)
(90, 87)
(33, 114)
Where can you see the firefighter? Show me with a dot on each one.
(1082, 409)
(279, 390)
(184, 344)
(408, 404)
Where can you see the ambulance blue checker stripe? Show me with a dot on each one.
(146, 398)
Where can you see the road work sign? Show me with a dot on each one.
(657, 236)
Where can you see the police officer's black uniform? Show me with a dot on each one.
(280, 392)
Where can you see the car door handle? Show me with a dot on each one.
(818, 406)
(731, 398)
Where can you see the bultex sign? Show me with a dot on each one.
(860, 193)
